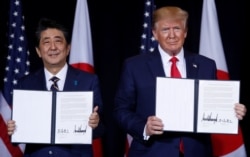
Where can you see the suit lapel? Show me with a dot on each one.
(155, 64)
(191, 66)
(39, 77)
(71, 81)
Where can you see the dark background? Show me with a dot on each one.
(116, 30)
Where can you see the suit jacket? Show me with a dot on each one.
(135, 101)
(76, 80)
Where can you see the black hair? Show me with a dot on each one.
(45, 23)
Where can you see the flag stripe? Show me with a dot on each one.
(3, 149)
(6, 146)
(222, 75)
(84, 67)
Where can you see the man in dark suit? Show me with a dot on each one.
(53, 48)
(136, 95)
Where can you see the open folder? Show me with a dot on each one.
(52, 117)
(202, 106)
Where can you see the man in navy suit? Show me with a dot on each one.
(135, 99)
(53, 48)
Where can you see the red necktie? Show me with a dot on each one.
(174, 70)
(175, 73)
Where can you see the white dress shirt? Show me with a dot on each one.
(61, 75)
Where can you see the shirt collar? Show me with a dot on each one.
(61, 75)
(166, 57)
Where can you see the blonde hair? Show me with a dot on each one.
(170, 12)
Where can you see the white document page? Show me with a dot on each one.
(216, 106)
(175, 103)
(73, 111)
(32, 113)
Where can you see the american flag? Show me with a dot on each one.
(148, 42)
(17, 65)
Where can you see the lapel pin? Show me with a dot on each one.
(75, 83)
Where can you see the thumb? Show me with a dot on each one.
(95, 108)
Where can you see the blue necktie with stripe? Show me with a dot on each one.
(54, 86)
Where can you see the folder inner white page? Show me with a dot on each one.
(216, 106)
(175, 103)
(32, 112)
(72, 116)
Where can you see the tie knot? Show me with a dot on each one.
(54, 86)
(54, 79)
(174, 59)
